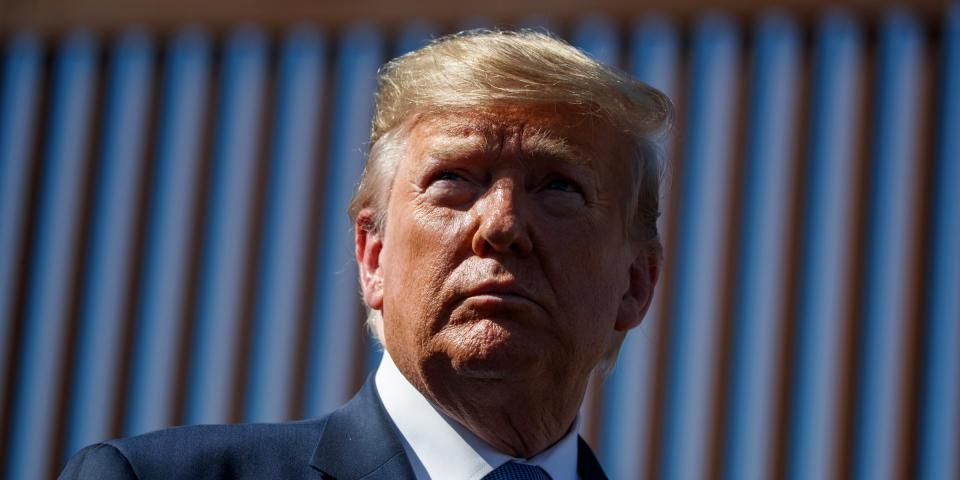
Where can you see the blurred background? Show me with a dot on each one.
(174, 246)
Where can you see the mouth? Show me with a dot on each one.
(502, 293)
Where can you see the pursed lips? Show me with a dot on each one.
(504, 290)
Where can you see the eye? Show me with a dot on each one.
(561, 184)
(447, 175)
(451, 188)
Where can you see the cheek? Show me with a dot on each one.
(419, 254)
(586, 255)
(589, 277)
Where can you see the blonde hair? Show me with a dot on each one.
(485, 68)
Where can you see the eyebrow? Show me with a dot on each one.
(540, 145)
(544, 145)
(444, 147)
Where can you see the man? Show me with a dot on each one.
(506, 241)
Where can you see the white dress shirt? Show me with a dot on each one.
(440, 448)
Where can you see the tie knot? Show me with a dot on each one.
(517, 471)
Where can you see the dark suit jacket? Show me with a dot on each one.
(357, 441)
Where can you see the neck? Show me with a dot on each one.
(518, 418)
(512, 430)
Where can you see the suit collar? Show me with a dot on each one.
(360, 441)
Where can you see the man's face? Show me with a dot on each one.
(505, 256)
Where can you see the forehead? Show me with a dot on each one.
(552, 133)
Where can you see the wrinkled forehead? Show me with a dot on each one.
(551, 133)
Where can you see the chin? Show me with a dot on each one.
(493, 350)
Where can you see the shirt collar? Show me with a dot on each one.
(446, 449)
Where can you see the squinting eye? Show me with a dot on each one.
(447, 175)
(562, 185)
(450, 188)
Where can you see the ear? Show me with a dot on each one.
(368, 243)
(643, 274)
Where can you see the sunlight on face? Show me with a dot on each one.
(505, 256)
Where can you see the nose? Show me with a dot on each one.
(503, 226)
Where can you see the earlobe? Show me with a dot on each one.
(368, 244)
(643, 274)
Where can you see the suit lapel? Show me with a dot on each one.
(588, 468)
(360, 441)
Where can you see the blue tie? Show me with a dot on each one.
(517, 471)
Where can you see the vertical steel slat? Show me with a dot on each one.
(759, 305)
(700, 249)
(37, 388)
(174, 198)
(226, 237)
(335, 322)
(19, 105)
(111, 246)
(597, 35)
(827, 225)
(892, 206)
(629, 394)
(283, 261)
(939, 442)
(413, 36)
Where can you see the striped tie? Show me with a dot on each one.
(517, 471)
